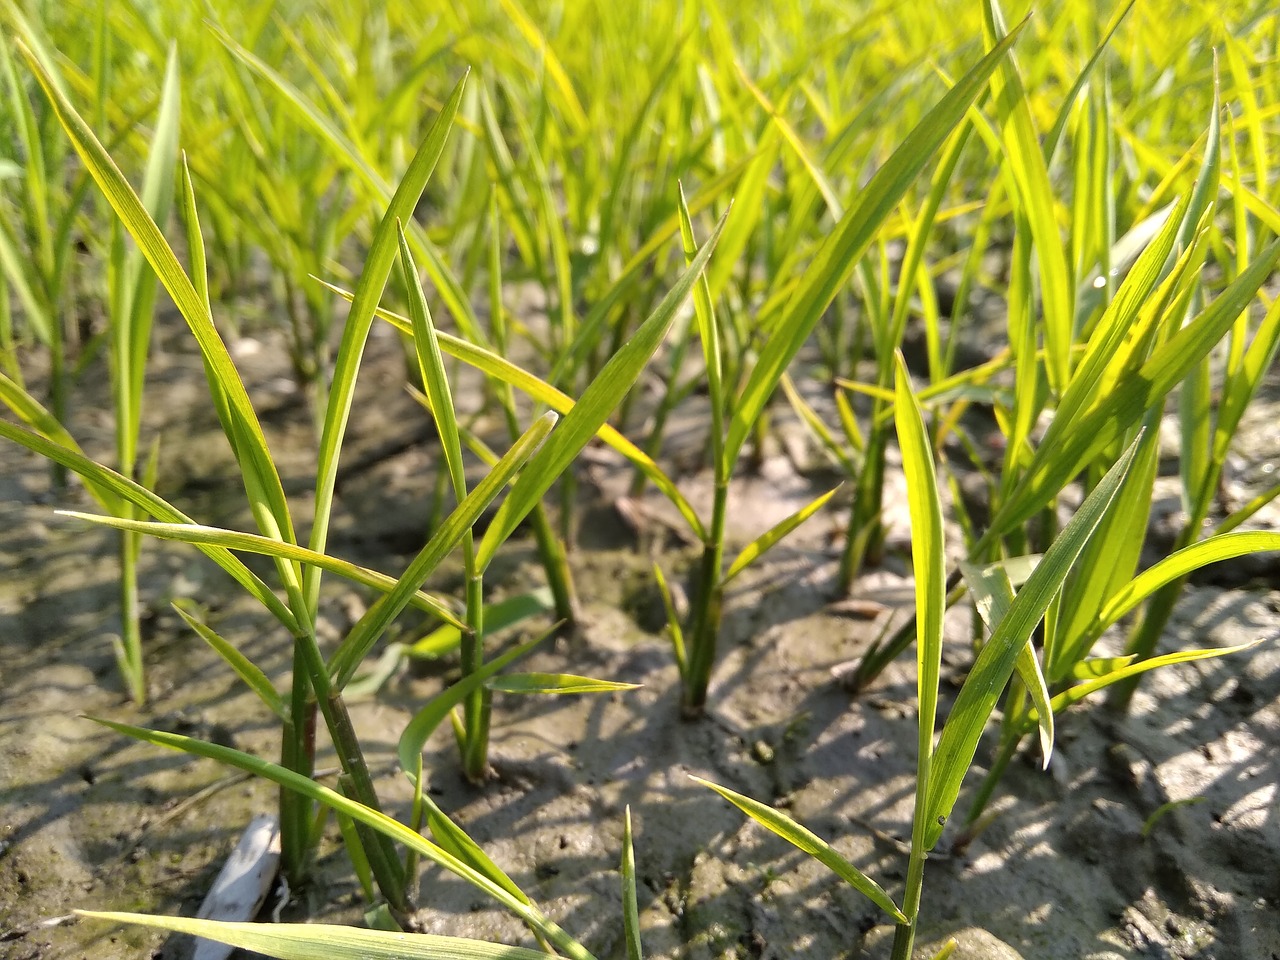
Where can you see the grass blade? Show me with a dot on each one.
(590, 412)
(1121, 408)
(380, 822)
(244, 668)
(928, 561)
(555, 683)
(504, 370)
(424, 723)
(1224, 546)
(1026, 162)
(201, 536)
(673, 618)
(497, 616)
(1081, 690)
(250, 444)
(767, 540)
(630, 909)
(431, 366)
(373, 278)
(306, 941)
(993, 595)
(98, 475)
(811, 844)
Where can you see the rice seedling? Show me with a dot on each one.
(943, 765)
(131, 300)
(1106, 184)
(38, 211)
(1126, 339)
(318, 683)
(732, 421)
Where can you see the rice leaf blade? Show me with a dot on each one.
(306, 941)
(1223, 546)
(417, 732)
(199, 535)
(104, 477)
(254, 456)
(592, 409)
(630, 908)
(244, 668)
(1081, 690)
(373, 278)
(810, 843)
(555, 684)
(502, 369)
(771, 537)
(378, 821)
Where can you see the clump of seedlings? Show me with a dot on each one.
(824, 250)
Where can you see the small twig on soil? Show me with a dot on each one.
(196, 799)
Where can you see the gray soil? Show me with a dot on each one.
(89, 819)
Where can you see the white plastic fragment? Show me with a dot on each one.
(243, 883)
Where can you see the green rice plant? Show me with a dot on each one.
(311, 675)
(318, 683)
(130, 308)
(132, 305)
(1209, 424)
(292, 941)
(943, 760)
(941, 768)
(1147, 330)
(573, 146)
(40, 203)
(293, 203)
(731, 424)
(1130, 350)
(347, 149)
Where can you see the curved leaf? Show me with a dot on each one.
(594, 407)
(840, 252)
(555, 683)
(199, 535)
(767, 540)
(1224, 546)
(364, 634)
(379, 821)
(504, 370)
(810, 843)
(306, 941)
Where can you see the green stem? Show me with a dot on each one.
(57, 388)
(865, 533)
(130, 653)
(296, 753)
(381, 852)
(555, 560)
(706, 615)
(927, 714)
(475, 760)
(904, 936)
